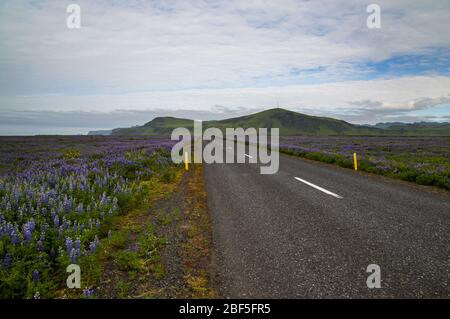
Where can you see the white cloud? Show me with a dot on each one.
(192, 55)
(326, 95)
(370, 100)
(138, 45)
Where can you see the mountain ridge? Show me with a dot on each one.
(289, 123)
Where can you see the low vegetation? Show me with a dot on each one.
(102, 203)
(423, 160)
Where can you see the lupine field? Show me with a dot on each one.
(423, 160)
(58, 196)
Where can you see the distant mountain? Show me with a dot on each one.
(293, 123)
(158, 126)
(100, 132)
(413, 129)
(289, 123)
(419, 128)
(383, 125)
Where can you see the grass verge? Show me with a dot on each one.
(159, 249)
(401, 172)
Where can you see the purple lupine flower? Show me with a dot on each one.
(98, 224)
(80, 208)
(88, 292)
(68, 245)
(28, 230)
(7, 261)
(65, 224)
(74, 255)
(14, 238)
(27, 235)
(67, 206)
(94, 245)
(35, 277)
(104, 200)
(77, 254)
(77, 243)
(32, 224)
(56, 222)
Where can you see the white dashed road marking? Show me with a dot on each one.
(319, 188)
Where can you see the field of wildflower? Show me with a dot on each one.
(58, 198)
(423, 160)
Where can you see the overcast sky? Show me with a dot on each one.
(133, 60)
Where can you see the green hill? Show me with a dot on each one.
(158, 126)
(289, 123)
(293, 123)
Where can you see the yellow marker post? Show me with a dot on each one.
(186, 161)
(355, 161)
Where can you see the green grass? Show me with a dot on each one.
(401, 167)
(119, 238)
(150, 244)
(159, 271)
(128, 261)
(124, 289)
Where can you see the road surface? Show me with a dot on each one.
(311, 230)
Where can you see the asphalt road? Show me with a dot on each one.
(276, 236)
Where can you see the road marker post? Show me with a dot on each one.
(355, 161)
(186, 161)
